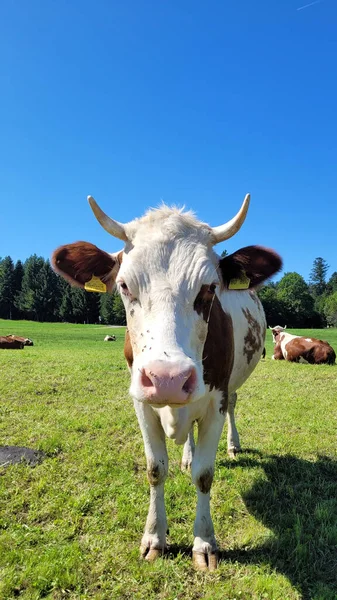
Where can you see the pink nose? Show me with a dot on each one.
(168, 383)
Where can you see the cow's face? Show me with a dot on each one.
(168, 285)
(276, 332)
(170, 281)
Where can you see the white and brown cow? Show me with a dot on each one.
(18, 338)
(296, 348)
(196, 331)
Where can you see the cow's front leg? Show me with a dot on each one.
(154, 539)
(233, 440)
(209, 432)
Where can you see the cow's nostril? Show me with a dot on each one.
(190, 383)
(145, 380)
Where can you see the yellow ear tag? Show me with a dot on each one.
(241, 283)
(95, 285)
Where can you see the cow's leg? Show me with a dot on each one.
(154, 539)
(278, 354)
(188, 452)
(233, 440)
(209, 432)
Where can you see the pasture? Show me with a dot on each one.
(71, 526)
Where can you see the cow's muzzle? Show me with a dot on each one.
(168, 383)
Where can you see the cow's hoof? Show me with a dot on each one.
(151, 554)
(205, 562)
(232, 452)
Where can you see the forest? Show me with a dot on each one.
(31, 290)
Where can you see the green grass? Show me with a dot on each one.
(71, 526)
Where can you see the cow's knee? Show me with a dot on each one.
(156, 473)
(204, 479)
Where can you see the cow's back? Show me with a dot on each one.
(310, 350)
(10, 344)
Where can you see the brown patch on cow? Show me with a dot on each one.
(218, 354)
(8, 343)
(253, 338)
(315, 352)
(80, 261)
(204, 481)
(128, 352)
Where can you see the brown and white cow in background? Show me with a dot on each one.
(110, 338)
(296, 348)
(196, 332)
(18, 338)
(7, 342)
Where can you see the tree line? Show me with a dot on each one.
(31, 290)
(295, 303)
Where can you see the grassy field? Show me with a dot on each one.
(71, 526)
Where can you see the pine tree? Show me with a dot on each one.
(93, 307)
(66, 307)
(331, 286)
(7, 288)
(79, 305)
(317, 281)
(28, 300)
(119, 310)
(17, 285)
(107, 309)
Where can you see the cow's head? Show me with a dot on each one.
(170, 280)
(276, 331)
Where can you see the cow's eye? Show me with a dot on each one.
(124, 288)
(212, 288)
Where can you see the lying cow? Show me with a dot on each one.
(110, 338)
(196, 332)
(8, 343)
(300, 349)
(26, 341)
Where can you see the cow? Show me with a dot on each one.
(9, 343)
(26, 341)
(296, 348)
(110, 338)
(195, 332)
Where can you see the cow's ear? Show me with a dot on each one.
(249, 267)
(86, 266)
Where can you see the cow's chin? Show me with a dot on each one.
(173, 403)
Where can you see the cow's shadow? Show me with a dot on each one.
(298, 503)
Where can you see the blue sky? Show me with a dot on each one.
(189, 102)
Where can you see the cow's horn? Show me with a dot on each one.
(226, 231)
(116, 229)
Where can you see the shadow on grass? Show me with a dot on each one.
(298, 502)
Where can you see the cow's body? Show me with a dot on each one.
(307, 350)
(8, 343)
(195, 333)
(18, 338)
